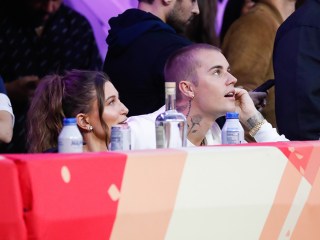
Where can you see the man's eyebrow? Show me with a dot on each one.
(214, 67)
(218, 67)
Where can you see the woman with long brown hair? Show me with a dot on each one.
(88, 96)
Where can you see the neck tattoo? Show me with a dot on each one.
(203, 142)
(195, 121)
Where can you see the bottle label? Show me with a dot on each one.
(171, 91)
(120, 137)
(233, 136)
(70, 145)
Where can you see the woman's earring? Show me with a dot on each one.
(90, 128)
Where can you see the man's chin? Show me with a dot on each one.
(178, 26)
(189, 21)
(231, 109)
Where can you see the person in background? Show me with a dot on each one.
(233, 10)
(40, 37)
(202, 27)
(6, 115)
(248, 46)
(140, 41)
(205, 92)
(88, 96)
(296, 61)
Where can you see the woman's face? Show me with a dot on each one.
(114, 112)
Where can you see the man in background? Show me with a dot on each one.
(140, 41)
(39, 37)
(296, 60)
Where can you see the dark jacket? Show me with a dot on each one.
(297, 73)
(139, 44)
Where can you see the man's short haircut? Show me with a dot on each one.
(183, 64)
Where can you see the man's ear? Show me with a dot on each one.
(186, 88)
(83, 121)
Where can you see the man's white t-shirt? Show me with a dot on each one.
(143, 134)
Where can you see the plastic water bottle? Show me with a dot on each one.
(70, 139)
(232, 131)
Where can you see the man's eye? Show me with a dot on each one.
(217, 72)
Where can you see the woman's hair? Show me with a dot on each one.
(202, 28)
(231, 13)
(58, 97)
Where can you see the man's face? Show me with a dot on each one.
(41, 10)
(214, 94)
(182, 13)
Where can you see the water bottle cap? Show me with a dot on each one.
(170, 84)
(232, 115)
(69, 121)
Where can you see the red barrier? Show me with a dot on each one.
(59, 199)
(11, 210)
(189, 193)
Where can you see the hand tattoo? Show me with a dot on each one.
(254, 120)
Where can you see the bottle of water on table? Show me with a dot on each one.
(232, 131)
(70, 139)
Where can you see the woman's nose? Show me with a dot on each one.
(124, 110)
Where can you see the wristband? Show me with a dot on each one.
(256, 128)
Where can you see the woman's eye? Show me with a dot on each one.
(111, 102)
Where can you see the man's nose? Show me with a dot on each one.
(195, 9)
(231, 79)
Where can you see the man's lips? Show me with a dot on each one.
(230, 94)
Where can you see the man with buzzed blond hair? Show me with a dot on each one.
(205, 92)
